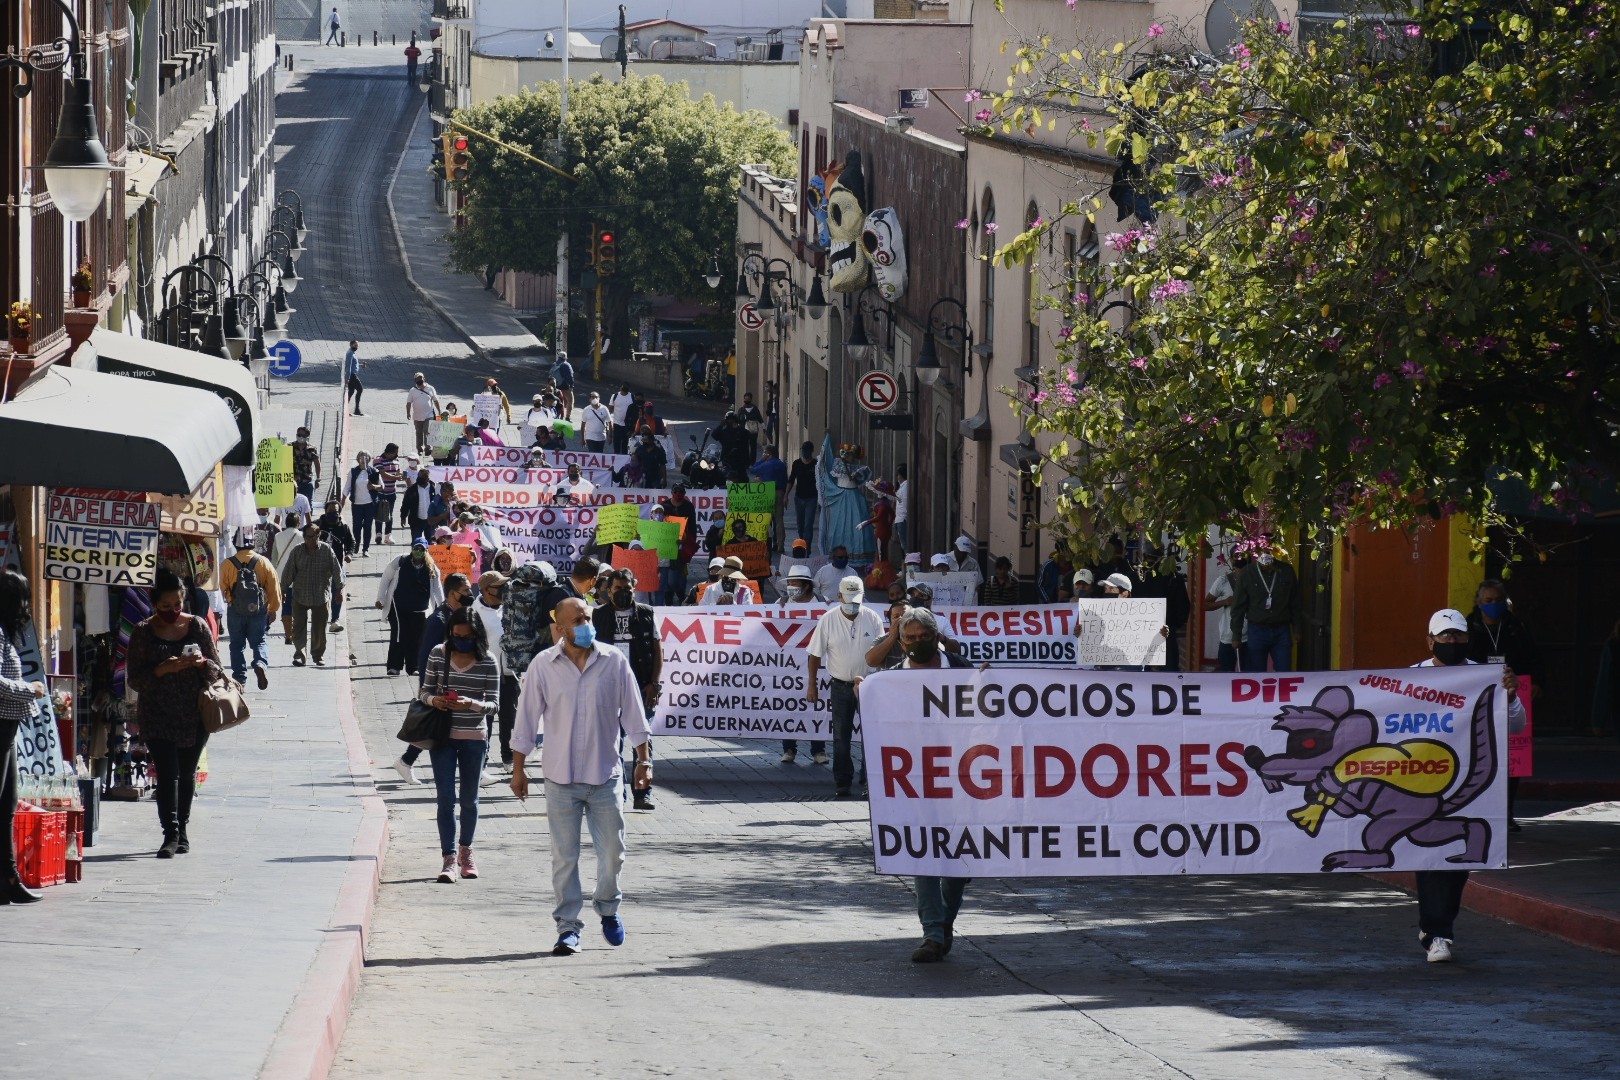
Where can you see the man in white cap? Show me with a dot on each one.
(798, 589)
(1439, 892)
(597, 424)
(732, 588)
(421, 406)
(1085, 584)
(963, 562)
(841, 641)
(694, 595)
(1115, 586)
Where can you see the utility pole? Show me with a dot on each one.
(560, 338)
(622, 53)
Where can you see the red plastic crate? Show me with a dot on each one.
(40, 838)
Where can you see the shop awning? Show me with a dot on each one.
(121, 354)
(76, 428)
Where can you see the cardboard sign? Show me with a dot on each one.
(617, 524)
(680, 523)
(454, 559)
(1521, 759)
(1016, 773)
(95, 540)
(642, 563)
(273, 483)
(202, 513)
(442, 436)
(487, 407)
(751, 499)
(663, 537)
(1122, 632)
(953, 589)
(756, 560)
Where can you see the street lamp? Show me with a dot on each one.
(286, 219)
(713, 276)
(297, 206)
(258, 285)
(857, 346)
(928, 365)
(816, 303)
(284, 261)
(76, 168)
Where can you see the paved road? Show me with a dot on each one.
(761, 943)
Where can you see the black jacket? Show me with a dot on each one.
(1511, 642)
(644, 647)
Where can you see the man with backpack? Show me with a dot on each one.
(252, 597)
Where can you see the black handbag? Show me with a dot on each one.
(424, 725)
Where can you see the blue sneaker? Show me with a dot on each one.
(613, 930)
(568, 944)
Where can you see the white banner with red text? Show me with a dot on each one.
(1023, 773)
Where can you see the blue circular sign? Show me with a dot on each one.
(284, 358)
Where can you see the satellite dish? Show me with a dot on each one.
(610, 47)
(1223, 23)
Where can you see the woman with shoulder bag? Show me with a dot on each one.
(363, 490)
(172, 659)
(463, 679)
(19, 702)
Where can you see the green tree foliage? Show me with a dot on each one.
(1377, 282)
(649, 162)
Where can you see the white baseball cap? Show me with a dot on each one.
(851, 588)
(1118, 581)
(914, 558)
(716, 563)
(964, 543)
(1447, 619)
(1085, 576)
(941, 559)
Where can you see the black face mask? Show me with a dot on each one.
(622, 599)
(925, 651)
(1451, 653)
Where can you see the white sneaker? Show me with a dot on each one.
(789, 756)
(334, 628)
(820, 759)
(1439, 950)
(486, 778)
(407, 772)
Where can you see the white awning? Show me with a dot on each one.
(123, 354)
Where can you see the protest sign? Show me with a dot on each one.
(101, 537)
(955, 589)
(738, 677)
(1521, 760)
(680, 524)
(751, 499)
(1121, 632)
(664, 537)
(559, 535)
(452, 559)
(617, 524)
(442, 436)
(202, 513)
(755, 559)
(1073, 773)
(640, 562)
(487, 407)
(273, 484)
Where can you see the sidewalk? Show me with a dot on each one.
(232, 961)
(487, 324)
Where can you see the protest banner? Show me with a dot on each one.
(755, 559)
(273, 483)
(664, 537)
(617, 524)
(202, 513)
(640, 562)
(452, 559)
(514, 457)
(474, 476)
(559, 535)
(605, 463)
(955, 589)
(97, 537)
(1058, 774)
(442, 436)
(487, 407)
(738, 676)
(1521, 759)
(1122, 632)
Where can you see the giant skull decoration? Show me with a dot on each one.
(884, 246)
(847, 264)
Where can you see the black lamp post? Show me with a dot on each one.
(928, 365)
(713, 276)
(263, 293)
(281, 248)
(857, 346)
(76, 168)
(290, 198)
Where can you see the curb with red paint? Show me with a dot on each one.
(1575, 923)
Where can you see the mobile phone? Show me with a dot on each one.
(451, 695)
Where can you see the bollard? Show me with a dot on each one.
(289, 61)
(374, 39)
(393, 39)
(343, 40)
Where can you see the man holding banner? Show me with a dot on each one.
(841, 640)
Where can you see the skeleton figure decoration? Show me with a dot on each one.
(884, 246)
(847, 263)
(816, 197)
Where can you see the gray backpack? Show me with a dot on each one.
(247, 595)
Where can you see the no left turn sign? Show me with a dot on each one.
(877, 392)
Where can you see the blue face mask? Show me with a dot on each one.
(584, 635)
(840, 563)
(463, 644)
(1495, 609)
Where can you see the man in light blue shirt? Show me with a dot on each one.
(581, 695)
(351, 376)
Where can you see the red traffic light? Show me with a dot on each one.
(605, 238)
(461, 142)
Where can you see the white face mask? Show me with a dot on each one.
(850, 607)
(1267, 559)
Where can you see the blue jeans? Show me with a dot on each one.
(843, 727)
(449, 757)
(246, 630)
(363, 517)
(1226, 658)
(938, 901)
(900, 535)
(1275, 641)
(599, 805)
(805, 509)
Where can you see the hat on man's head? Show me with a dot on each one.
(716, 563)
(799, 572)
(1084, 576)
(913, 558)
(737, 575)
(1447, 619)
(1118, 581)
(492, 578)
(801, 544)
(964, 543)
(734, 563)
(940, 559)
(441, 532)
(537, 398)
(850, 589)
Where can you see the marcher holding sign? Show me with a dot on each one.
(1120, 632)
(618, 524)
(273, 485)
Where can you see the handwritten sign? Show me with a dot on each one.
(642, 563)
(618, 524)
(452, 559)
(954, 589)
(755, 559)
(487, 407)
(273, 484)
(663, 537)
(442, 436)
(751, 499)
(1121, 632)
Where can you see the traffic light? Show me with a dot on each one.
(607, 253)
(456, 158)
(437, 168)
